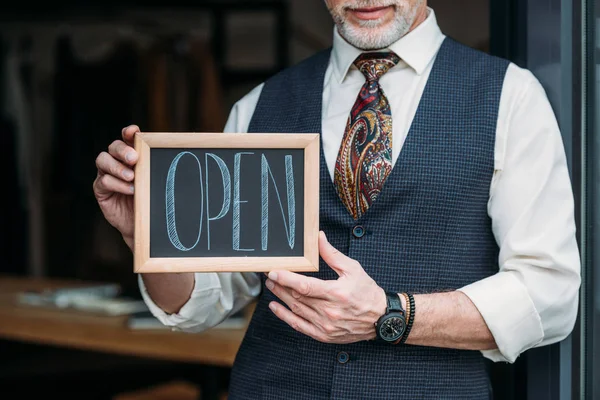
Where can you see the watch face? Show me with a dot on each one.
(392, 328)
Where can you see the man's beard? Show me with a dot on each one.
(375, 34)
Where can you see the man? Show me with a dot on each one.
(446, 210)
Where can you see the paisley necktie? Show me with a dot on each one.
(365, 157)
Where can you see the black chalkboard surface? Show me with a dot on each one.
(226, 202)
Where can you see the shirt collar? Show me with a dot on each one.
(416, 49)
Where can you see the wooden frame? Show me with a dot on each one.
(145, 141)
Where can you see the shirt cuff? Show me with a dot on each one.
(206, 293)
(509, 313)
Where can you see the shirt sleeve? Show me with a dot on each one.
(215, 296)
(532, 301)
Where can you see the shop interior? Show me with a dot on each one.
(73, 73)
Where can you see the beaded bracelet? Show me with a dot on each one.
(410, 315)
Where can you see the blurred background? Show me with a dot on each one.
(73, 73)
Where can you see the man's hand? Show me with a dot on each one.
(345, 310)
(113, 186)
(339, 311)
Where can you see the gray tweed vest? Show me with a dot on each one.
(428, 231)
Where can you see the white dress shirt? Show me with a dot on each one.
(533, 299)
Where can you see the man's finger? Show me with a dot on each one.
(299, 324)
(304, 285)
(128, 133)
(106, 164)
(123, 152)
(295, 304)
(337, 260)
(106, 185)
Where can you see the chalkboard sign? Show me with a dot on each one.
(224, 202)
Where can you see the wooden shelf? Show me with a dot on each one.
(71, 329)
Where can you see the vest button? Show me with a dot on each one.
(358, 231)
(343, 357)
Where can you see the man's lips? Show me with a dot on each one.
(370, 13)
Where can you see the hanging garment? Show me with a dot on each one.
(184, 91)
(94, 101)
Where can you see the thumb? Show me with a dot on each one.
(337, 260)
(128, 133)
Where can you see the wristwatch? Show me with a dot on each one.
(391, 326)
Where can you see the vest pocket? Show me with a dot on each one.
(278, 337)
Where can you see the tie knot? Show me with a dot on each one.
(374, 65)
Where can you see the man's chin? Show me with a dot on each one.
(368, 26)
(369, 37)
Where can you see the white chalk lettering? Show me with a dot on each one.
(226, 177)
(237, 201)
(290, 229)
(170, 203)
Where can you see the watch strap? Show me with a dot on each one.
(393, 302)
(394, 305)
